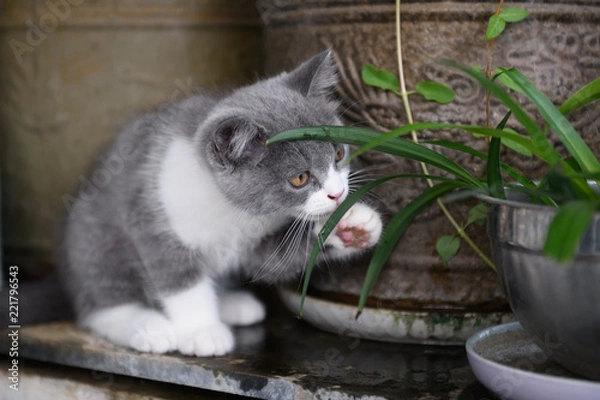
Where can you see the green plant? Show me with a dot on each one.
(566, 185)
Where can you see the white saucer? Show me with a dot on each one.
(391, 325)
(506, 360)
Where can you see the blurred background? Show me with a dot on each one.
(72, 72)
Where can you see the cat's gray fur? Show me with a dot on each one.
(118, 246)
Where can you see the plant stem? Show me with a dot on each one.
(403, 92)
(488, 74)
(404, 95)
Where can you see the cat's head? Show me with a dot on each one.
(296, 178)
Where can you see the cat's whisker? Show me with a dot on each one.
(357, 180)
(311, 225)
(299, 239)
(288, 237)
(375, 197)
(275, 270)
(371, 168)
(357, 183)
(361, 173)
(276, 264)
(294, 248)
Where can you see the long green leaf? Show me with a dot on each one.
(394, 230)
(369, 139)
(566, 186)
(525, 182)
(494, 175)
(494, 169)
(395, 146)
(515, 146)
(506, 81)
(544, 148)
(584, 96)
(555, 119)
(419, 126)
(516, 175)
(585, 175)
(567, 228)
(373, 139)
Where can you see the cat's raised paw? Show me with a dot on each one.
(210, 340)
(359, 229)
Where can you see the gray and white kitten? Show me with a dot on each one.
(189, 195)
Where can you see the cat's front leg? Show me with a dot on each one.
(359, 229)
(240, 308)
(195, 316)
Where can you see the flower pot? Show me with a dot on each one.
(556, 46)
(559, 305)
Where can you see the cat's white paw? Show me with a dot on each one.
(134, 326)
(359, 229)
(240, 308)
(210, 340)
(154, 334)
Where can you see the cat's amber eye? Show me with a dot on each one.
(340, 154)
(300, 179)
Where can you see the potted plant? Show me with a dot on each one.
(555, 46)
(545, 234)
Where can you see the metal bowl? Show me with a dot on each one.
(559, 305)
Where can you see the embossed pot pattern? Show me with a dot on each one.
(557, 46)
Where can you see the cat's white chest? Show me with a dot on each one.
(199, 214)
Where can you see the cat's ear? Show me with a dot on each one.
(315, 77)
(238, 140)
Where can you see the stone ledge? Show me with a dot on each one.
(281, 359)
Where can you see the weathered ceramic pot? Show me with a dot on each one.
(74, 71)
(558, 46)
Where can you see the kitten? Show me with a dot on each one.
(189, 195)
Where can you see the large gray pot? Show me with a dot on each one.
(558, 305)
(557, 46)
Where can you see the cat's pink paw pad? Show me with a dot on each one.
(356, 237)
(360, 228)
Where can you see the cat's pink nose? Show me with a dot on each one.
(336, 196)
